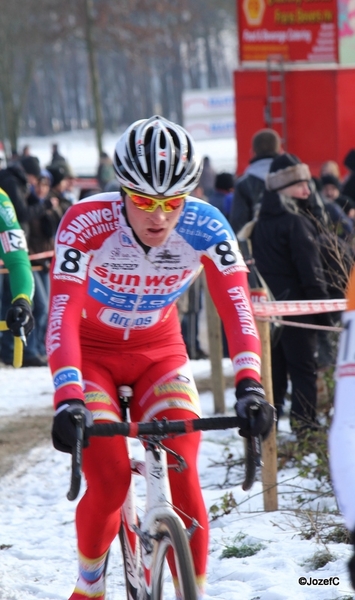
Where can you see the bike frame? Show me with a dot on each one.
(138, 543)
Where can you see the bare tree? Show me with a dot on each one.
(60, 70)
(25, 27)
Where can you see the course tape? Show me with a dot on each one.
(278, 322)
(297, 307)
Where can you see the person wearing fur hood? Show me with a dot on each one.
(287, 254)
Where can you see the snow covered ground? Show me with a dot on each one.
(37, 535)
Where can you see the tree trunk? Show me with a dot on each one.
(94, 74)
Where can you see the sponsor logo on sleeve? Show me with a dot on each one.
(13, 240)
(246, 360)
(59, 304)
(89, 224)
(7, 213)
(244, 310)
(66, 376)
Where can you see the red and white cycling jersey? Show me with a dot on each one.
(106, 289)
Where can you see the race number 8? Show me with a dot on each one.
(224, 249)
(71, 262)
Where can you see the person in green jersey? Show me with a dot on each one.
(14, 254)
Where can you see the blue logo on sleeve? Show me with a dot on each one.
(66, 376)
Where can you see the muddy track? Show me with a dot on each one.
(18, 435)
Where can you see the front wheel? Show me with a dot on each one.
(172, 535)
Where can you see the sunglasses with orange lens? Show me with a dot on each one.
(151, 203)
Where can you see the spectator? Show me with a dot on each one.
(249, 188)
(222, 194)
(105, 172)
(59, 162)
(190, 306)
(348, 185)
(56, 199)
(287, 255)
(42, 227)
(26, 151)
(341, 208)
(13, 181)
(208, 176)
(330, 167)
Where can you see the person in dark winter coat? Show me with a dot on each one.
(14, 182)
(331, 194)
(249, 188)
(56, 200)
(286, 253)
(105, 171)
(348, 185)
(222, 194)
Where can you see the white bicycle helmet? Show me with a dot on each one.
(155, 156)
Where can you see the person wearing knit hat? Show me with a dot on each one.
(222, 194)
(57, 174)
(287, 255)
(287, 170)
(31, 166)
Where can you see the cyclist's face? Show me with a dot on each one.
(152, 228)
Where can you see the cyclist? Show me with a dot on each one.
(14, 254)
(121, 261)
(341, 437)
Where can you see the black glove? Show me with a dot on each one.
(256, 414)
(64, 425)
(20, 315)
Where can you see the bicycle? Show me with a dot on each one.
(145, 542)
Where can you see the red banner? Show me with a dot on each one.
(299, 30)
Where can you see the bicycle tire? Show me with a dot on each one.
(174, 536)
(133, 572)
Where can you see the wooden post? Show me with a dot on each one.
(216, 352)
(269, 450)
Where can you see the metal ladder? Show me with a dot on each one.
(275, 110)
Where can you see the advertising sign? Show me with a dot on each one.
(299, 30)
(209, 114)
(346, 20)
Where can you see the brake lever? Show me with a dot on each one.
(77, 457)
(23, 336)
(253, 458)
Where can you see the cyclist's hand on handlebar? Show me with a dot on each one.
(19, 318)
(256, 414)
(64, 425)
